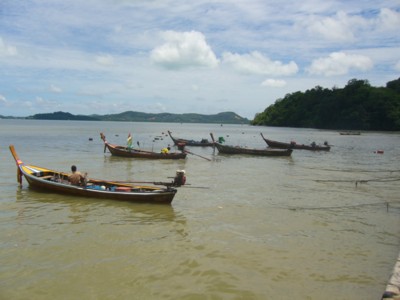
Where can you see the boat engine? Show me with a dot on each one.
(180, 178)
(181, 146)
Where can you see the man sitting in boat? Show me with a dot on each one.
(165, 150)
(76, 178)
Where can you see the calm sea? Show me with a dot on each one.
(245, 227)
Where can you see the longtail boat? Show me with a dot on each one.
(250, 151)
(350, 133)
(201, 143)
(47, 180)
(138, 153)
(294, 145)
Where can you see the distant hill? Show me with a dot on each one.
(59, 115)
(10, 117)
(132, 116)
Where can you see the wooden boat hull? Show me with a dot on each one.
(202, 143)
(137, 153)
(226, 149)
(281, 145)
(52, 181)
(251, 151)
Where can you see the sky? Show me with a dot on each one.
(110, 56)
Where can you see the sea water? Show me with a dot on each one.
(316, 225)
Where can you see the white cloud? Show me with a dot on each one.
(256, 63)
(44, 104)
(397, 66)
(55, 89)
(105, 60)
(273, 83)
(7, 50)
(184, 49)
(339, 63)
(349, 26)
(3, 99)
(158, 107)
(389, 19)
(340, 27)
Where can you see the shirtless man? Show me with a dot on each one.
(76, 178)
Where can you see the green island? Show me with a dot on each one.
(357, 106)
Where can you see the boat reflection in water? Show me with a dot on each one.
(65, 209)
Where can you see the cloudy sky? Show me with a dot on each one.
(110, 56)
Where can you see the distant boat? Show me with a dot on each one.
(293, 145)
(138, 153)
(350, 133)
(250, 151)
(201, 143)
(54, 181)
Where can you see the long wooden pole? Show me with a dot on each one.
(186, 151)
(18, 162)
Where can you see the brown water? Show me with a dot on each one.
(245, 227)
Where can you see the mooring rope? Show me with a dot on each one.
(387, 204)
(354, 171)
(356, 182)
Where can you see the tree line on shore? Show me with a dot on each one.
(357, 106)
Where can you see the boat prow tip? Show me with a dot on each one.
(14, 153)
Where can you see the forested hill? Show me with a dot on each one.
(132, 116)
(357, 106)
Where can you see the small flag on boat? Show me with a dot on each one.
(129, 140)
